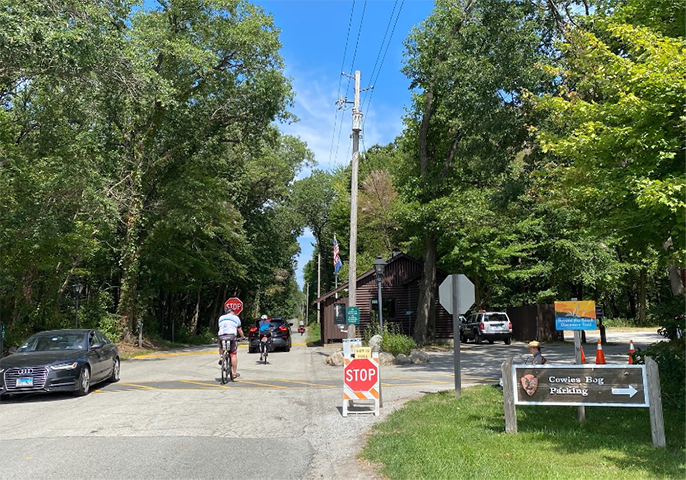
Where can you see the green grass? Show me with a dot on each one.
(439, 436)
(314, 336)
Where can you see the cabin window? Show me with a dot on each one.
(388, 309)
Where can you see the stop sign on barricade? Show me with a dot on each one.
(234, 303)
(361, 381)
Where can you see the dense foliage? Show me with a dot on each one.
(140, 156)
(543, 156)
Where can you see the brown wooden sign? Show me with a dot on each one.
(580, 385)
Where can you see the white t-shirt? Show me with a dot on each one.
(229, 324)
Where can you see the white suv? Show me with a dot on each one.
(486, 326)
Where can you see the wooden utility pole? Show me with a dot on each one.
(352, 267)
(319, 282)
(307, 303)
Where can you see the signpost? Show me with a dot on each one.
(456, 294)
(352, 315)
(584, 385)
(235, 303)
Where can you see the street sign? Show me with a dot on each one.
(465, 293)
(363, 352)
(575, 315)
(581, 385)
(361, 375)
(352, 315)
(235, 303)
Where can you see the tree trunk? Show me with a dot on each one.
(676, 280)
(196, 315)
(642, 297)
(426, 311)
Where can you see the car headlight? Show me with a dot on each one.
(64, 366)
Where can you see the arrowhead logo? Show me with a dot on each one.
(530, 384)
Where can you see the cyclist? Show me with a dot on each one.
(229, 326)
(265, 330)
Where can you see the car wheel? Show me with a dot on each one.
(477, 338)
(490, 341)
(508, 340)
(84, 382)
(116, 368)
(463, 339)
(288, 346)
(252, 350)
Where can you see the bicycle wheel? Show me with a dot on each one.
(226, 368)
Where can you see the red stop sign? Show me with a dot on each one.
(235, 303)
(361, 374)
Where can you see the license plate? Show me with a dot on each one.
(24, 382)
(495, 327)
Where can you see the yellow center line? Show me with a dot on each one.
(306, 383)
(219, 385)
(137, 385)
(261, 384)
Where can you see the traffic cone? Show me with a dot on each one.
(599, 355)
(583, 357)
(631, 352)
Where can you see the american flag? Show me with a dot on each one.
(336, 259)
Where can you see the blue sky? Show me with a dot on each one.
(314, 35)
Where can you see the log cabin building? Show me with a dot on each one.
(400, 296)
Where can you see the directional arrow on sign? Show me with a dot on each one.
(631, 391)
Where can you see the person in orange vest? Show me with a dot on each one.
(535, 350)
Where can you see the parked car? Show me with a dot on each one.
(489, 326)
(281, 335)
(60, 360)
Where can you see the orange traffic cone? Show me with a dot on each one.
(631, 352)
(599, 355)
(583, 357)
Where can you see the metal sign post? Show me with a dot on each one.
(456, 294)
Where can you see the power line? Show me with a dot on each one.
(383, 59)
(383, 41)
(340, 81)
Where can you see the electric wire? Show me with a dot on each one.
(383, 59)
(383, 42)
(352, 64)
(340, 82)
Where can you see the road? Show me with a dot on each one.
(170, 417)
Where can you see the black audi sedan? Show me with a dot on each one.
(60, 360)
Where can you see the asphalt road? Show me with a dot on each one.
(170, 417)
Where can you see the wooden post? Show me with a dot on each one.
(581, 411)
(657, 425)
(508, 397)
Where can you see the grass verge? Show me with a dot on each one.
(439, 436)
(314, 335)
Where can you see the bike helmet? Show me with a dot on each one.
(228, 310)
(264, 317)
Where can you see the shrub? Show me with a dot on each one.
(112, 326)
(671, 360)
(392, 341)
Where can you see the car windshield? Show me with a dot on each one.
(56, 341)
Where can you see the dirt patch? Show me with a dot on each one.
(129, 349)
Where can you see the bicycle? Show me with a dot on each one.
(265, 345)
(227, 371)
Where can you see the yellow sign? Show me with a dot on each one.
(363, 352)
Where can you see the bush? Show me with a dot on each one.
(671, 360)
(392, 341)
(112, 326)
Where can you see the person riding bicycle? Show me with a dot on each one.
(229, 326)
(265, 329)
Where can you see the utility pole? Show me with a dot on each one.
(352, 267)
(319, 282)
(307, 303)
